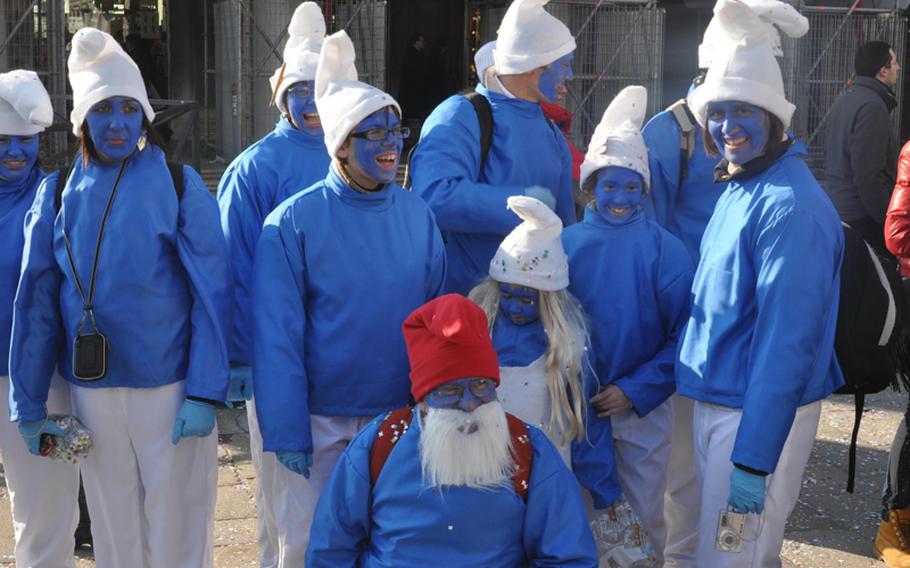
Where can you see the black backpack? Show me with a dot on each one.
(484, 119)
(870, 336)
(175, 169)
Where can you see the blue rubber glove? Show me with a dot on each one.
(747, 492)
(195, 418)
(32, 430)
(542, 194)
(298, 462)
(241, 386)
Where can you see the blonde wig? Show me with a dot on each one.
(566, 357)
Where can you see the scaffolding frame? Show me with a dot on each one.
(819, 66)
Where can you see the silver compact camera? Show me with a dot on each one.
(730, 529)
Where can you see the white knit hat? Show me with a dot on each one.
(775, 14)
(747, 72)
(342, 100)
(529, 37)
(532, 254)
(301, 53)
(617, 140)
(100, 69)
(483, 59)
(25, 107)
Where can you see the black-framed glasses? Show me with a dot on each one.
(377, 133)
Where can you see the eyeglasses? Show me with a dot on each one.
(376, 134)
(451, 394)
(302, 91)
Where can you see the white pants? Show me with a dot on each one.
(681, 504)
(295, 496)
(642, 448)
(43, 493)
(715, 431)
(264, 464)
(152, 503)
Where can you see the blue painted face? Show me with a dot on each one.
(555, 76)
(739, 130)
(462, 394)
(17, 157)
(115, 125)
(301, 105)
(519, 303)
(618, 194)
(376, 146)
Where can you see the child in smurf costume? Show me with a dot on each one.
(541, 337)
(632, 278)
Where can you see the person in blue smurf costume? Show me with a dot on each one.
(682, 198)
(632, 278)
(43, 493)
(118, 250)
(756, 368)
(540, 333)
(338, 268)
(289, 159)
(528, 154)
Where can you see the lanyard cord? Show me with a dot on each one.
(87, 307)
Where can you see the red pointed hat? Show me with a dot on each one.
(448, 338)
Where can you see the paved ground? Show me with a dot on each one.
(828, 529)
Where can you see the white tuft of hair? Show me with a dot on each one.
(469, 449)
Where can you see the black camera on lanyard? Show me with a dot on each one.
(90, 349)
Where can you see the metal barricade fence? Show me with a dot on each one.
(249, 39)
(818, 66)
(619, 44)
(32, 36)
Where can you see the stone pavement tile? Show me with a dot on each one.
(235, 532)
(234, 502)
(227, 476)
(240, 556)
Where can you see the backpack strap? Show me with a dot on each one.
(686, 123)
(484, 113)
(174, 168)
(397, 422)
(859, 401)
(393, 426)
(523, 453)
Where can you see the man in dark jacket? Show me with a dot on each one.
(861, 147)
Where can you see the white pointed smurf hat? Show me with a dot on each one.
(532, 254)
(775, 14)
(25, 107)
(306, 32)
(530, 37)
(617, 140)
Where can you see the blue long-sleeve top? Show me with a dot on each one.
(683, 208)
(633, 281)
(15, 199)
(336, 273)
(163, 292)
(593, 459)
(765, 297)
(277, 166)
(469, 204)
(401, 522)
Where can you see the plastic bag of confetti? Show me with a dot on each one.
(73, 445)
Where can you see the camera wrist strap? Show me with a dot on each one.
(87, 301)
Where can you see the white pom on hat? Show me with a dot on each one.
(746, 72)
(342, 100)
(483, 59)
(530, 37)
(25, 107)
(775, 14)
(617, 140)
(306, 32)
(532, 254)
(100, 69)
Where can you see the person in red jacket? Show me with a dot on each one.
(891, 542)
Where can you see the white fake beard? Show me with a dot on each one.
(470, 449)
